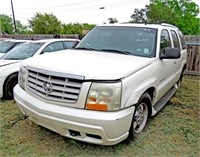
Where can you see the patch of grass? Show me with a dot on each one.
(173, 132)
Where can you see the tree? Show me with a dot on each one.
(88, 26)
(45, 24)
(6, 24)
(112, 20)
(71, 28)
(21, 29)
(182, 13)
(139, 15)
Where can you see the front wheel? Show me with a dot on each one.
(140, 116)
(9, 85)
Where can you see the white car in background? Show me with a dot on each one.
(8, 44)
(10, 62)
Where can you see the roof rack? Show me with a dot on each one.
(156, 23)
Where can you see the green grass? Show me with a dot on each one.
(175, 131)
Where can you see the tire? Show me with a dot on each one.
(10, 83)
(140, 116)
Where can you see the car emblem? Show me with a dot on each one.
(47, 86)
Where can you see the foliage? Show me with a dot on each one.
(71, 28)
(6, 24)
(21, 29)
(112, 20)
(88, 26)
(182, 13)
(45, 24)
(49, 24)
(139, 15)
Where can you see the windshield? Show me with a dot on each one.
(6, 46)
(23, 51)
(125, 40)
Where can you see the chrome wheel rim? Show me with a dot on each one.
(140, 118)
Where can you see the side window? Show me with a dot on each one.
(181, 36)
(53, 47)
(175, 39)
(165, 40)
(69, 44)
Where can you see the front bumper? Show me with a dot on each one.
(104, 128)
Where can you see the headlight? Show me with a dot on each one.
(104, 96)
(21, 77)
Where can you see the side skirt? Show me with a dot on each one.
(163, 101)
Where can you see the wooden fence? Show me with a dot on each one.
(193, 50)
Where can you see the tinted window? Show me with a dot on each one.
(175, 39)
(54, 47)
(6, 46)
(69, 44)
(165, 40)
(181, 36)
(135, 41)
(23, 51)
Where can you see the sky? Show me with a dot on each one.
(67, 11)
(74, 11)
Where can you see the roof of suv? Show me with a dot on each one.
(148, 25)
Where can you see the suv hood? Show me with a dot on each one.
(92, 65)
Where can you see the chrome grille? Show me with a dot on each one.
(54, 86)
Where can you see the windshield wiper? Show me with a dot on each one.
(86, 48)
(117, 51)
(108, 50)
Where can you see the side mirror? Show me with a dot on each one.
(170, 53)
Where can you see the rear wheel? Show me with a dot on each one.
(9, 85)
(140, 116)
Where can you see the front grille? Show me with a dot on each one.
(54, 86)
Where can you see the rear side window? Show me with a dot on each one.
(175, 39)
(56, 46)
(69, 44)
(165, 40)
(181, 36)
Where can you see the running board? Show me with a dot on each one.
(163, 101)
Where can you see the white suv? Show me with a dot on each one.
(107, 88)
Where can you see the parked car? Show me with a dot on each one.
(117, 78)
(10, 62)
(8, 44)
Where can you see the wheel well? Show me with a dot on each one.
(151, 92)
(16, 73)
